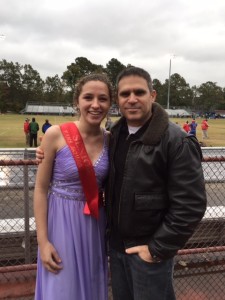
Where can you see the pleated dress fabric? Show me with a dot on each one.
(78, 238)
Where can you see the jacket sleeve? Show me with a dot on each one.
(187, 199)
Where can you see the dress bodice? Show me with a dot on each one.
(65, 178)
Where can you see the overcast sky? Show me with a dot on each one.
(50, 34)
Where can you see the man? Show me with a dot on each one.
(193, 127)
(45, 126)
(205, 127)
(34, 127)
(26, 129)
(155, 197)
(186, 127)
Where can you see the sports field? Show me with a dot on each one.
(12, 135)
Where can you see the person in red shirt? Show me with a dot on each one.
(205, 127)
(26, 128)
(186, 127)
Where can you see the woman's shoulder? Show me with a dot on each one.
(54, 131)
(53, 136)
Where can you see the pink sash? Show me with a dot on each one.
(85, 167)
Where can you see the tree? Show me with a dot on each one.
(80, 68)
(222, 105)
(19, 84)
(4, 95)
(32, 84)
(158, 86)
(113, 68)
(53, 89)
(195, 95)
(10, 73)
(210, 97)
(180, 92)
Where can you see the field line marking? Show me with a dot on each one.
(2, 133)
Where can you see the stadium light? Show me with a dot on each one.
(168, 94)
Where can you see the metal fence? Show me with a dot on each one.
(199, 271)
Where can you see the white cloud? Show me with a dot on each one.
(49, 35)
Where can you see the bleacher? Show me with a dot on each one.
(48, 109)
(178, 113)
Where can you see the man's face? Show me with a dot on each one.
(135, 100)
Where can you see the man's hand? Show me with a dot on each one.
(39, 155)
(142, 251)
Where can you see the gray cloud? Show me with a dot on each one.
(49, 35)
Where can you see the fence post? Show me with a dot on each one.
(26, 210)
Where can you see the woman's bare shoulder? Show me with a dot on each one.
(53, 130)
(52, 137)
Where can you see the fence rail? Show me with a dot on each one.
(199, 267)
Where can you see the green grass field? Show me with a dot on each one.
(12, 135)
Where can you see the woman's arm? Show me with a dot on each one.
(49, 256)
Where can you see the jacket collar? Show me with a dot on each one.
(157, 126)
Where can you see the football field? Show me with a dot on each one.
(12, 135)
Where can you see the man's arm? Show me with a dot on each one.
(187, 200)
(39, 154)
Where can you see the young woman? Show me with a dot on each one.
(69, 213)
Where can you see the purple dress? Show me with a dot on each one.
(78, 238)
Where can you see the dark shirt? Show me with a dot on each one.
(45, 127)
(34, 127)
(122, 147)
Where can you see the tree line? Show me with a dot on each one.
(22, 83)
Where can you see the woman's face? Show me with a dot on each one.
(94, 102)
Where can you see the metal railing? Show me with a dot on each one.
(199, 268)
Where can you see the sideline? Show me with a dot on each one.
(2, 133)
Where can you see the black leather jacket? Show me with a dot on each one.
(163, 192)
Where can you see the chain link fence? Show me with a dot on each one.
(18, 245)
(199, 270)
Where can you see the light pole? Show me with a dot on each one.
(168, 95)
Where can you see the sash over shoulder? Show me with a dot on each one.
(85, 167)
